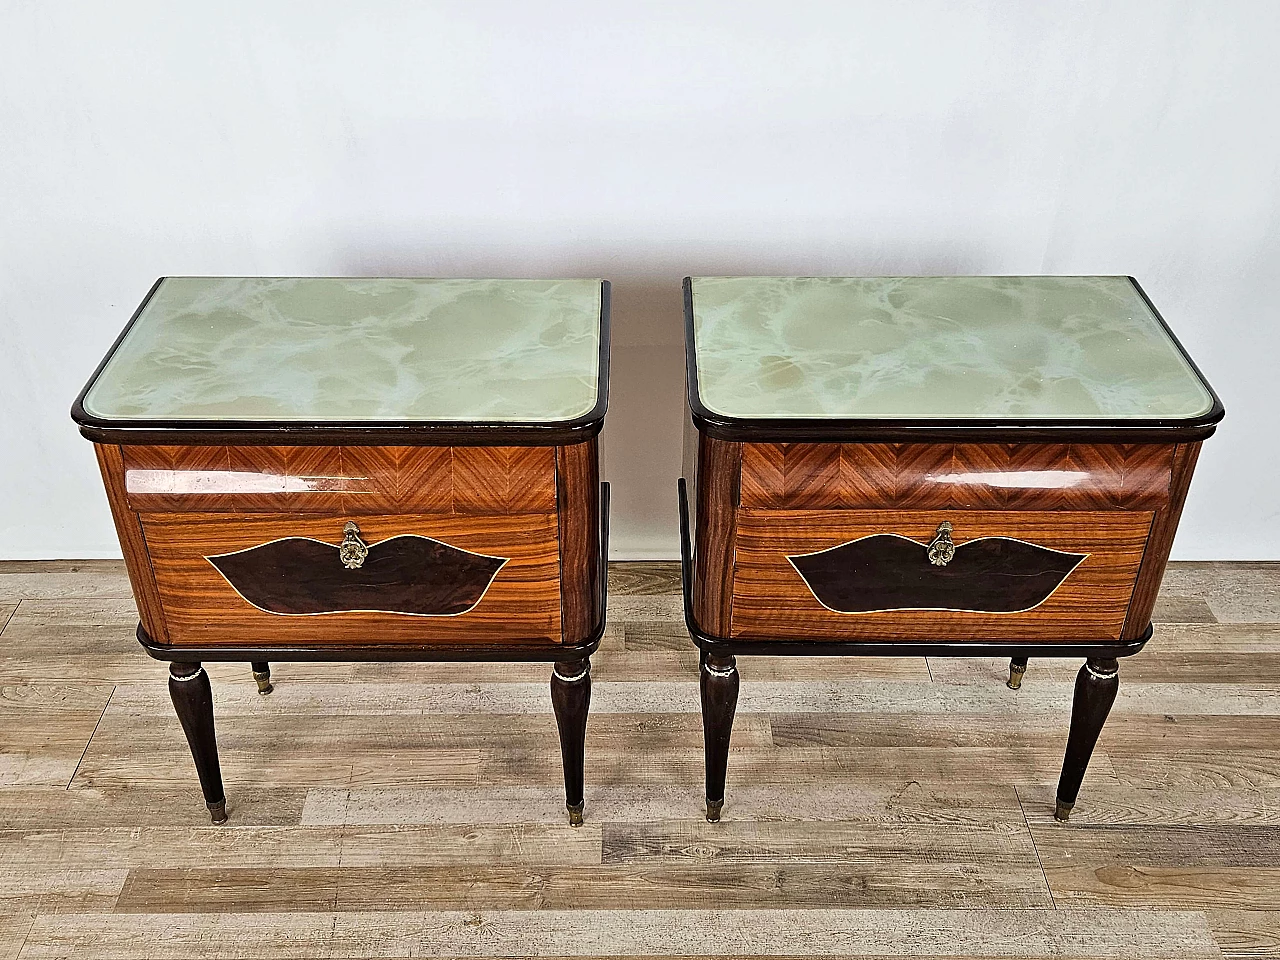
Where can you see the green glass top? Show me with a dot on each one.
(947, 348)
(332, 350)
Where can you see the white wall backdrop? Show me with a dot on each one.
(640, 142)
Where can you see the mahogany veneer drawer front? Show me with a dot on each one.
(866, 574)
(279, 578)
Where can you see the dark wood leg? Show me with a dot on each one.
(718, 682)
(1096, 686)
(571, 700)
(193, 701)
(262, 673)
(1017, 670)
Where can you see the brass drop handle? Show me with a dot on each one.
(353, 549)
(941, 549)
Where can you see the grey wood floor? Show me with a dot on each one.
(876, 807)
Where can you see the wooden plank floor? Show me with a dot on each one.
(876, 807)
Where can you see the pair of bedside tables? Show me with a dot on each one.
(396, 469)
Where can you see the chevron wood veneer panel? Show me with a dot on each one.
(797, 476)
(504, 479)
(395, 479)
(971, 476)
(331, 479)
(771, 599)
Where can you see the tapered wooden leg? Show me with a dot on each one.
(262, 674)
(193, 701)
(1096, 687)
(1017, 670)
(571, 700)
(718, 683)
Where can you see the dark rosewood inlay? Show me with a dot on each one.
(406, 574)
(889, 572)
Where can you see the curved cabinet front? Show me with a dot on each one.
(279, 578)
(871, 575)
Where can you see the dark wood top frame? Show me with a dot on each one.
(371, 432)
(721, 427)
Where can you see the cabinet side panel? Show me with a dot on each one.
(719, 482)
(137, 559)
(578, 509)
(1160, 543)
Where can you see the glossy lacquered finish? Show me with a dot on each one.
(199, 529)
(865, 574)
(761, 507)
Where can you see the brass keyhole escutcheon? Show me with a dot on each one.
(941, 549)
(353, 549)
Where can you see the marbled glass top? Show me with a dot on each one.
(331, 350)
(1023, 348)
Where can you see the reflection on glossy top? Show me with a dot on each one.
(334, 350)
(1024, 348)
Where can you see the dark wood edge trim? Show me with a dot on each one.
(388, 433)
(721, 646)
(1216, 411)
(533, 650)
(602, 588)
(792, 430)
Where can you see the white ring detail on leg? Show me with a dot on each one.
(1102, 676)
(557, 674)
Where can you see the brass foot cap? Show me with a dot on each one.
(1062, 811)
(713, 810)
(218, 811)
(1015, 677)
(575, 813)
(264, 683)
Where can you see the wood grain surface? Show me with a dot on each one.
(971, 476)
(879, 807)
(1160, 543)
(132, 542)
(201, 606)
(353, 479)
(715, 496)
(770, 599)
(578, 504)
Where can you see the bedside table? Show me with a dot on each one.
(951, 466)
(360, 469)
